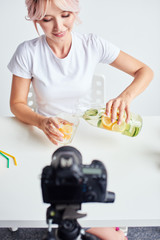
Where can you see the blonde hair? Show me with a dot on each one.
(38, 8)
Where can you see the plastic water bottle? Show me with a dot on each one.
(97, 117)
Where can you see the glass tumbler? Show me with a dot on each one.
(68, 126)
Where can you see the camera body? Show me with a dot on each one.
(68, 181)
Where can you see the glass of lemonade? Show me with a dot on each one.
(68, 126)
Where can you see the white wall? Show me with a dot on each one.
(134, 26)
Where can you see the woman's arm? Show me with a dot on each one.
(142, 77)
(18, 102)
(19, 107)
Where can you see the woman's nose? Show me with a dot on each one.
(57, 25)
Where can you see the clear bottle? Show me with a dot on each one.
(97, 117)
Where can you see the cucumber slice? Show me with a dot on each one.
(127, 127)
(136, 132)
(91, 112)
(99, 124)
(86, 117)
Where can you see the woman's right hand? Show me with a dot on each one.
(50, 126)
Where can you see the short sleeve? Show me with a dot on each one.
(19, 64)
(107, 51)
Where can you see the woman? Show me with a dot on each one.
(60, 64)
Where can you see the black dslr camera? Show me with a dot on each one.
(67, 183)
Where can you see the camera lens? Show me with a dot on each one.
(66, 152)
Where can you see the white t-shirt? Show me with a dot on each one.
(60, 83)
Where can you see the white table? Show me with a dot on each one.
(133, 166)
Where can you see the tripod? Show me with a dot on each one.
(68, 227)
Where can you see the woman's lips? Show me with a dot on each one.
(60, 34)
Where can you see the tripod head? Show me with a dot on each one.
(68, 227)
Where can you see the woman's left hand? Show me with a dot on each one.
(120, 104)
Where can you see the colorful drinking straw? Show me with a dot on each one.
(6, 158)
(2, 153)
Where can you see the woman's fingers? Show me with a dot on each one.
(128, 114)
(54, 133)
(121, 113)
(54, 121)
(52, 139)
(63, 121)
(50, 128)
(53, 126)
(108, 108)
(116, 109)
(53, 130)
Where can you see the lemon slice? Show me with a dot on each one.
(67, 130)
(119, 128)
(106, 122)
